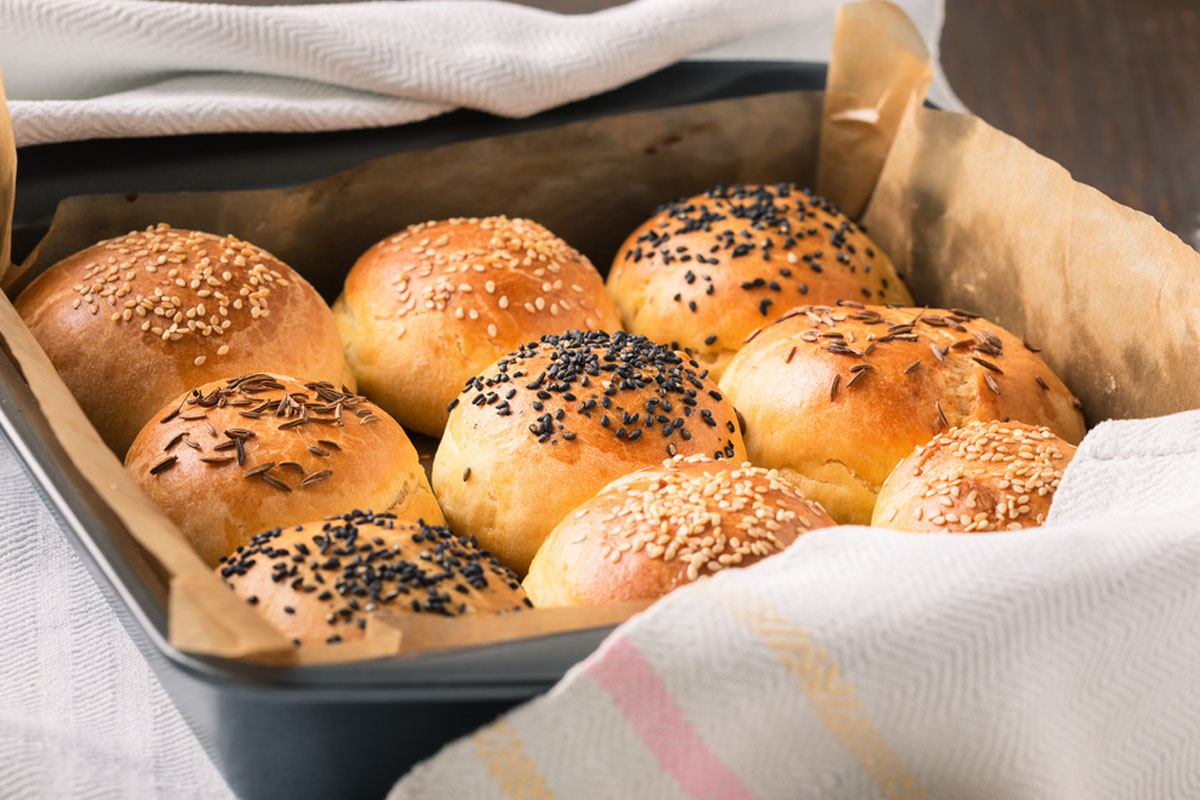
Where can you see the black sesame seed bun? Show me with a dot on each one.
(706, 271)
(657, 529)
(234, 457)
(548, 426)
(321, 581)
(435, 304)
(131, 322)
(985, 476)
(834, 398)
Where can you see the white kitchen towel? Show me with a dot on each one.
(80, 69)
(81, 715)
(860, 663)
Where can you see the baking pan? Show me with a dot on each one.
(345, 730)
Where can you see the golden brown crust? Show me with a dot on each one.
(984, 476)
(234, 457)
(671, 285)
(131, 322)
(656, 529)
(321, 581)
(433, 305)
(545, 428)
(835, 397)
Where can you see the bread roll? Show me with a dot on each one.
(432, 306)
(834, 398)
(656, 529)
(984, 476)
(551, 424)
(321, 581)
(705, 272)
(132, 322)
(235, 457)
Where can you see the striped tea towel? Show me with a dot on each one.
(861, 663)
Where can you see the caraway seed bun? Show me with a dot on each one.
(238, 456)
(834, 398)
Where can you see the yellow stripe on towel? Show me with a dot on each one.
(837, 705)
(501, 751)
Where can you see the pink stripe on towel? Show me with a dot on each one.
(665, 730)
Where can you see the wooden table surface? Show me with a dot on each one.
(1110, 89)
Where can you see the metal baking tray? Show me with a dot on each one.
(347, 730)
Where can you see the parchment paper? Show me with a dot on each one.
(973, 217)
(879, 71)
(976, 219)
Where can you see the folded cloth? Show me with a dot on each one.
(1053, 663)
(81, 715)
(79, 69)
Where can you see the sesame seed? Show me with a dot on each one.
(986, 475)
(703, 514)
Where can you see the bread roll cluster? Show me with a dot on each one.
(835, 396)
(547, 426)
(753, 369)
(427, 309)
(133, 322)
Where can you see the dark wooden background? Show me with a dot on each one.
(1110, 89)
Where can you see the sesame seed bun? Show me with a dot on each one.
(131, 322)
(321, 581)
(705, 272)
(834, 398)
(432, 306)
(548, 426)
(656, 529)
(238, 456)
(985, 476)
